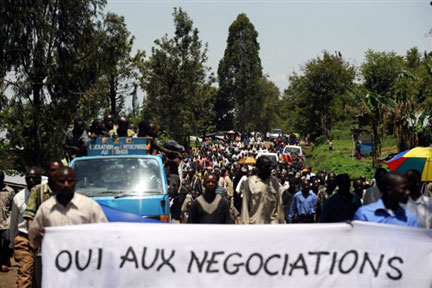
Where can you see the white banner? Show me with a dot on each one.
(308, 255)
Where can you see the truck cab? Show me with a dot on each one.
(119, 173)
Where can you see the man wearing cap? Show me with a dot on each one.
(261, 198)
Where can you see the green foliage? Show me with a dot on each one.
(342, 163)
(340, 160)
(179, 93)
(317, 98)
(54, 64)
(269, 116)
(117, 66)
(239, 76)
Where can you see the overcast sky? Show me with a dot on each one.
(290, 32)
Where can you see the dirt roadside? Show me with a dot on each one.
(7, 279)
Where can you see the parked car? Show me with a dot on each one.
(293, 148)
(274, 134)
(273, 156)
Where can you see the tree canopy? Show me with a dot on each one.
(179, 93)
(239, 76)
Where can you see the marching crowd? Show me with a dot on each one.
(220, 181)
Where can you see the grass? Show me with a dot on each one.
(340, 159)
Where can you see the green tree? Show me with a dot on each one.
(118, 68)
(269, 113)
(386, 74)
(52, 73)
(179, 95)
(315, 94)
(239, 76)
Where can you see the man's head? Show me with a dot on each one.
(394, 187)
(358, 187)
(331, 180)
(109, 121)
(413, 177)
(97, 126)
(78, 128)
(305, 184)
(211, 182)
(358, 184)
(52, 169)
(264, 167)
(344, 183)
(122, 123)
(315, 185)
(33, 177)
(379, 174)
(64, 184)
(147, 128)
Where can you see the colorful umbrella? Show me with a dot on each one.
(419, 158)
(247, 161)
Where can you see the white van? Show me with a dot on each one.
(292, 148)
(273, 156)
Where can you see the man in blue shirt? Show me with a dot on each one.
(303, 205)
(387, 210)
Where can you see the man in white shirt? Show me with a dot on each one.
(65, 208)
(418, 204)
(23, 251)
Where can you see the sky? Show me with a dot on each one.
(289, 32)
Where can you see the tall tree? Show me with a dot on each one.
(179, 94)
(118, 68)
(53, 70)
(381, 72)
(239, 76)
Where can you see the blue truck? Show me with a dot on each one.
(119, 173)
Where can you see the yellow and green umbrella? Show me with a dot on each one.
(419, 158)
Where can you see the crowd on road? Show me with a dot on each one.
(239, 178)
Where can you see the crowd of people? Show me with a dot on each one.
(210, 183)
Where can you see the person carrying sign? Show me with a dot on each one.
(65, 208)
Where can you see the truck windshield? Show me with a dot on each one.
(118, 177)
